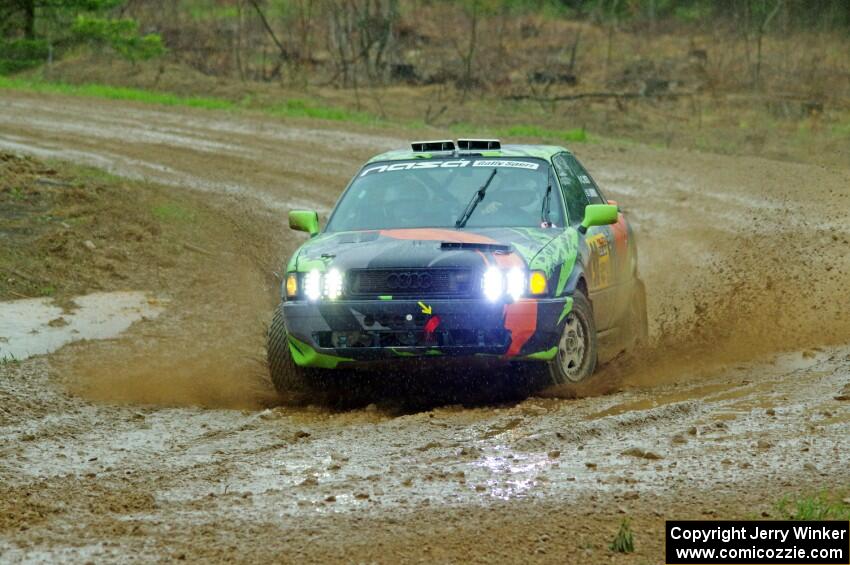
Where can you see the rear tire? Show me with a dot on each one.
(289, 379)
(575, 361)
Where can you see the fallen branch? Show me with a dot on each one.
(284, 54)
(601, 95)
(197, 249)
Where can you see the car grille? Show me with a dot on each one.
(409, 282)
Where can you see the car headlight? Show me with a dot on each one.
(316, 285)
(493, 284)
(313, 285)
(333, 284)
(515, 283)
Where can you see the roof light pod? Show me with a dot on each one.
(433, 146)
(479, 144)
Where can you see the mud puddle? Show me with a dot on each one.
(35, 326)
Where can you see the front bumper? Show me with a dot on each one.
(326, 334)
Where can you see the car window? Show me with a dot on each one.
(435, 193)
(594, 195)
(574, 194)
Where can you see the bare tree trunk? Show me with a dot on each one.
(574, 51)
(29, 18)
(284, 54)
(470, 52)
(612, 24)
(239, 31)
(650, 6)
(763, 25)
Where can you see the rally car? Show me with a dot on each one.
(460, 250)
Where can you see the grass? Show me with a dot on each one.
(572, 135)
(292, 108)
(116, 93)
(173, 213)
(298, 108)
(822, 506)
(624, 541)
(8, 359)
(841, 129)
(578, 135)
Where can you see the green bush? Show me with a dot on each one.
(21, 54)
(122, 36)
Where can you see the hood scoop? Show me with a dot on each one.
(491, 247)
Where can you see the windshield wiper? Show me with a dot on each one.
(544, 212)
(476, 199)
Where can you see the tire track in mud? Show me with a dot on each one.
(705, 419)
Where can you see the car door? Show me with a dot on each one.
(596, 253)
(621, 246)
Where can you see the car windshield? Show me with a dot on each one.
(434, 194)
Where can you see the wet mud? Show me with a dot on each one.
(169, 443)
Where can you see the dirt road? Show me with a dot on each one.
(167, 443)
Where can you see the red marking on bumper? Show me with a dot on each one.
(430, 326)
(521, 321)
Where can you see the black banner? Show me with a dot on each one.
(695, 542)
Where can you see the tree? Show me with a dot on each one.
(122, 36)
(31, 29)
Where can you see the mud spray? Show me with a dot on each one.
(756, 294)
(769, 288)
(771, 277)
(207, 347)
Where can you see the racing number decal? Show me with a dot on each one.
(600, 260)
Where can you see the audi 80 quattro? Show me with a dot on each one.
(460, 250)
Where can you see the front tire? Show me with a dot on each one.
(289, 379)
(577, 348)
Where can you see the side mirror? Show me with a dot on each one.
(304, 220)
(598, 215)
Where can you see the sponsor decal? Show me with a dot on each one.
(591, 193)
(584, 179)
(510, 164)
(418, 165)
(600, 265)
(451, 164)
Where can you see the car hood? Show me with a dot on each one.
(423, 247)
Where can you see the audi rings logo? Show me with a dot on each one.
(409, 281)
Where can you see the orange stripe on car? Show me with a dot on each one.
(436, 234)
(521, 321)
